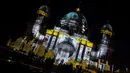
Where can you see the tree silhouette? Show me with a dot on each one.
(117, 71)
(40, 50)
(17, 43)
(27, 47)
(21, 46)
(71, 60)
(22, 43)
(84, 65)
(107, 67)
(12, 44)
(49, 54)
(9, 42)
(92, 71)
(74, 65)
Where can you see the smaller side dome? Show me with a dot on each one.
(107, 27)
(44, 8)
(44, 11)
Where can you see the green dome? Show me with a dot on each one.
(107, 27)
(78, 17)
(71, 16)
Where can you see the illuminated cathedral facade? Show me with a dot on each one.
(70, 39)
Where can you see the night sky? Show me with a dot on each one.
(15, 14)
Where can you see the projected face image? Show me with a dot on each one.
(64, 51)
(66, 47)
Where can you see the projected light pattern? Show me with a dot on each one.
(105, 39)
(103, 46)
(64, 51)
(36, 28)
(64, 44)
(71, 38)
(42, 14)
(75, 22)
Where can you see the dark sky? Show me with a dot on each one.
(15, 14)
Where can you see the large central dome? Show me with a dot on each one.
(75, 16)
(74, 20)
(71, 16)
